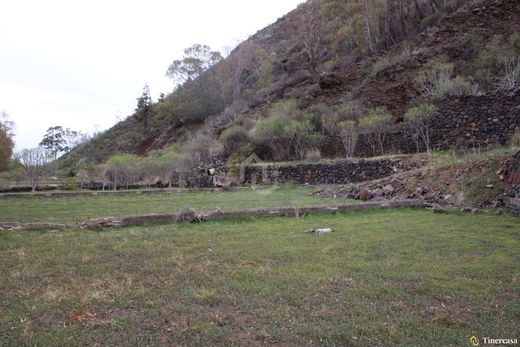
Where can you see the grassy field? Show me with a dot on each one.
(27, 208)
(393, 277)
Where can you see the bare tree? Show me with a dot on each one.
(367, 18)
(312, 37)
(509, 82)
(35, 164)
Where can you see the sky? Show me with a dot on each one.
(83, 64)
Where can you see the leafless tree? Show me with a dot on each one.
(509, 82)
(312, 37)
(35, 164)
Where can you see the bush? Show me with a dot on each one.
(313, 155)
(437, 82)
(235, 140)
(457, 86)
(389, 60)
(508, 82)
(187, 215)
(515, 139)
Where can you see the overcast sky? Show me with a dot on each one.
(81, 64)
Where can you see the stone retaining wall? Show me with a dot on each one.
(471, 121)
(213, 215)
(340, 172)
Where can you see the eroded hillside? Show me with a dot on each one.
(366, 56)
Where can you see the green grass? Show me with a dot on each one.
(393, 277)
(27, 208)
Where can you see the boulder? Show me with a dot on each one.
(437, 208)
(329, 80)
(364, 195)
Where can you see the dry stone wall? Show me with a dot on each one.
(472, 121)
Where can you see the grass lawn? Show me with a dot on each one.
(27, 208)
(387, 277)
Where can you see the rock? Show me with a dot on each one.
(321, 231)
(388, 189)
(437, 208)
(489, 186)
(329, 80)
(364, 195)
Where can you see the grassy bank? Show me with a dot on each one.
(394, 277)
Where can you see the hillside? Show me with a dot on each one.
(322, 54)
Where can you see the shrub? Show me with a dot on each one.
(287, 131)
(187, 215)
(515, 139)
(457, 86)
(313, 154)
(508, 82)
(390, 59)
(235, 140)
(437, 82)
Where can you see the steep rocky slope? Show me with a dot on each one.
(456, 35)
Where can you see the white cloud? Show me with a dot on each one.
(77, 64)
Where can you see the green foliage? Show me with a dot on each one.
(197, 59)
(438, 82)
(420, 112)
(419, 119)
(123, 169)
(348, 131)
(375, 126)
(487, 64)
(390, 59)
(144, 110)
(287, 131)
(236, 141)
(6, 142)
(53, 140)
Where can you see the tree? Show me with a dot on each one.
(34, 162)
(375, 126)
(53, 141)
(73, 138)
(509, 81)
(144, 108)
(173, 162)
(312, 37)
(202, 149)
(149, 168)
(301, 135)
(349, 135)
(122, 169)
(419, 119)
(287, 131)
(197, 59)
(6, 141)
(59, 140)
